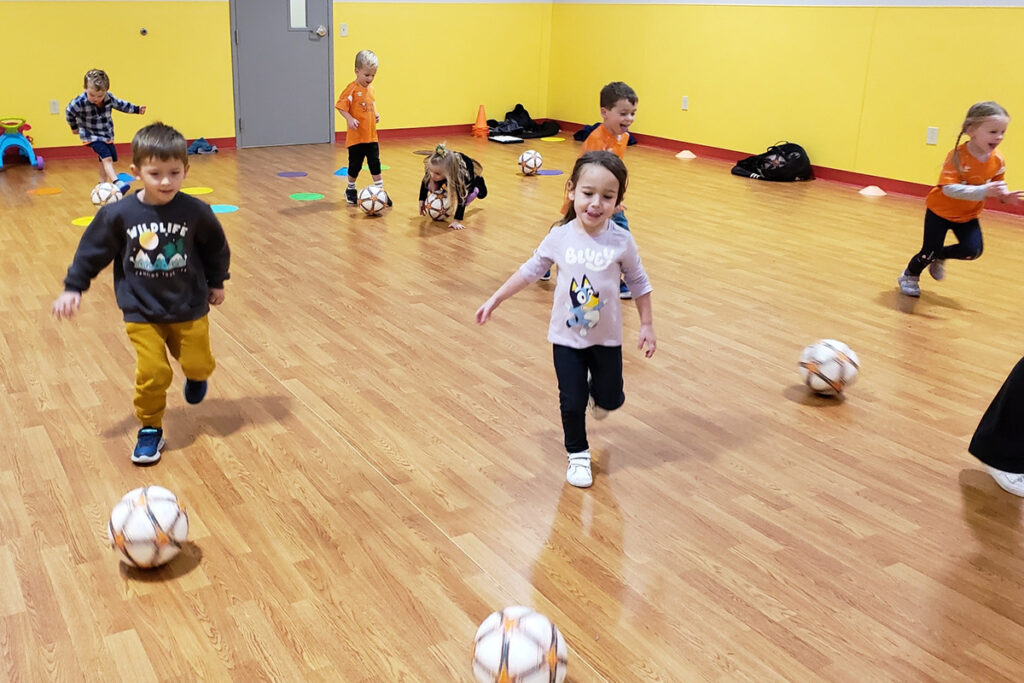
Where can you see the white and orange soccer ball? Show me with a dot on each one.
(373, 200)
(530, 162)
(148, 526)
(437, 205)
(519, 645)
(105, 193)
(828, 367)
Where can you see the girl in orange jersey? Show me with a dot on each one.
(972, 173)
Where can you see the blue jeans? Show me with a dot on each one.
(619, 218)
(104, 150)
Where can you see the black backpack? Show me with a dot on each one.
(783, 161)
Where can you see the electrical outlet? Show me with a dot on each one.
(932, 137)
(54, 107)
(686, 103)
(343, 30)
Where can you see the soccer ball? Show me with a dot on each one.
(437, 205)
(530, 161)
(519, 645)
(828, 366)
(148, 526)
(373, 200)
(105, 193)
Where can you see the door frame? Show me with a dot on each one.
(233, 27)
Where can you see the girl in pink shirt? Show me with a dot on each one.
(591, 253)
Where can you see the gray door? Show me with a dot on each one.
(283, 73)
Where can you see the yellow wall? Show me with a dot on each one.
(48, 46)
(857, 87)
(440, 62)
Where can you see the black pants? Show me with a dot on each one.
(968, 247)
(999, 439)
(477, 183)
(364, 150)
(571, 366)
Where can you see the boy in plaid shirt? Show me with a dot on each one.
(89, 116)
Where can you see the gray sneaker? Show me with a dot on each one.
(937, 269)
(1009, 482)
(909, 284)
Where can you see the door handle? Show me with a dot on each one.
(320, 30)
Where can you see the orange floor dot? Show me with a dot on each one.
(45, 190)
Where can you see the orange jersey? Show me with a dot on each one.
(972, 172)
(601, 140)
(358, 102)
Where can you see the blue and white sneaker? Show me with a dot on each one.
(147, 448)
(624, 292)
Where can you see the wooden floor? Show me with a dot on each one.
(372, 473)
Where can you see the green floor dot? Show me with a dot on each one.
(306, 196)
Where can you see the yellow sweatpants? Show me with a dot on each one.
(189, 344)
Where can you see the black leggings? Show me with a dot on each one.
(364, 150)
(477, 183)
(571, 366)
(968, 247)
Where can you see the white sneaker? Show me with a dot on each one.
(937, 269)
(579, 473)
(596, 411)
(909, 284)
(1011, 483)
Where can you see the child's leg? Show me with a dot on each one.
(189, 343)
(373, 162)
(969, 243)
(356, 154)
(108, 173)
(152, 372)
(619, 218)
(571, 370)
(355, 164)
(481, 186)
(606, 376)
(935, 228)
(477, 189)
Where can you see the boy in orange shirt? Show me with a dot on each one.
(356, 104)
(618, 109)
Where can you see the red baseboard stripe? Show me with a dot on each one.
(124, 150)
(890, 185)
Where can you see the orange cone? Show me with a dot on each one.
(480, 128)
